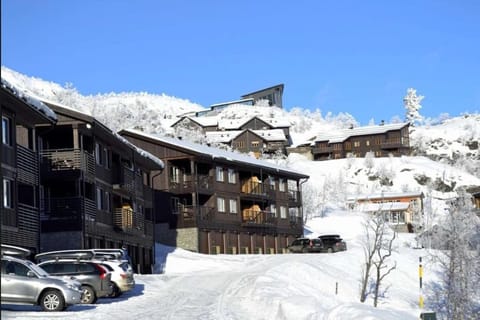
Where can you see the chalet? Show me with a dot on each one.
(220, 201)
(382, 140)
(21, 115)
(96, 189)
(403, 210)
(273, 94)
(255, 134)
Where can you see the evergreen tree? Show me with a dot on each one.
(412, 106)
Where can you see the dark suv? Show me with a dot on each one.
(333, 243)
(305, 245)
(95, 280)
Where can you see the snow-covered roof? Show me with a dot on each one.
(342, 135)
(385, 195)
(202, 121)
(271, 135)
(88, 117)
(223, 136)
(228, 135)
(216, 153)
(385, 206)
(30, 100)
(231, 124)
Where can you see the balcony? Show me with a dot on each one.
(393, 144)
(255, 218)
(125, 182)
(187, 184)
(129, 221)
(55, 160)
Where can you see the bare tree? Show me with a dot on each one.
(377, 248)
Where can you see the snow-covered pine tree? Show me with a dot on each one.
(412, 106)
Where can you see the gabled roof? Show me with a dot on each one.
(201, 121)
(153, 162)
(241, 101)
(213, 153)
(231, 124)
(223, 136)
(271, 135)
(342, 135)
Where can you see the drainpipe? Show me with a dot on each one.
(153, 213)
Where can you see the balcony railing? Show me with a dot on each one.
(27, 163)
(394, 143)
(68, 159)
(187, 184)
(258, 218)
(128, 220)
(191, 213)
(322, 149)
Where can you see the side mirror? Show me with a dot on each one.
(31, 274)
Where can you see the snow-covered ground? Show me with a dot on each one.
(288, 286)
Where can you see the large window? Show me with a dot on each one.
(233, 206)
(220, 204)
(175, 174)
(6, 131)
(273, 210)
(281, 184)
(7, 193)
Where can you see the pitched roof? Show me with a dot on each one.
(381, 207)
(214, 153)
(386, 196)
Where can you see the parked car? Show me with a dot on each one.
(115, 261)
(333, 242)
(95, 280)
(304, 245)
(121, 275)
(23, 282)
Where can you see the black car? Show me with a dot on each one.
(306, 245)
(333, 243)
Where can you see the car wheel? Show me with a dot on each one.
(115, 290)
(330, 250)
(304, 250)
(52, 300)
(88, 296)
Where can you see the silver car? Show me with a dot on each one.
(23, 282)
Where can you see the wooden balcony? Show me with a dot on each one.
(58, 160)
(203, 184)
(254, 218)
(322, 150)
(129, 221)
(393, 144)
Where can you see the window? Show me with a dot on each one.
(367, 143)
(232, 177)
(272, 182)
(283, 212)
(220, 204)
(219, 174)
(255, 144)
(233, 206)
(356, 144)
(6, 131)
(100, 199)
(7, 193)
(281, 184)
(174, 174)
(273, 210)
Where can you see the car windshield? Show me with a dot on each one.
(37, 269)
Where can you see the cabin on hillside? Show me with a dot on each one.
(403, 210)
(383, 140)
(220, 201)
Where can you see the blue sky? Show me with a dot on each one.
(356, 57)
